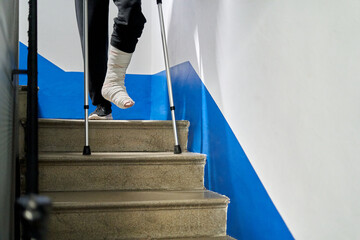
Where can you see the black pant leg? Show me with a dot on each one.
(128, 25)
(98, 14)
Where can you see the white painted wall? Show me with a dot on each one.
(286, 77)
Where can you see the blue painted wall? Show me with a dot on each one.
(61, 93)
(252, 214)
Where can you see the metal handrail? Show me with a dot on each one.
(33, 208)
(32, 105)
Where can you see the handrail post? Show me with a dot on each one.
(177, 148)
(32, 105)
(34, 209)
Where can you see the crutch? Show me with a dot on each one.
(86, 150)
(177, 148)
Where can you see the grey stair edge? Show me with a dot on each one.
(140, 205)
(122, 157)
(83, 200)
(200, 238)
(46, 122)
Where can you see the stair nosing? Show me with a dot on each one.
(131, 205)
(215, 200)
(204, 237)
(120, 158)
(74, 123)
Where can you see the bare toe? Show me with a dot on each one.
(129, 104)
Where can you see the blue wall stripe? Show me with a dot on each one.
(252, 214)
(61, 93)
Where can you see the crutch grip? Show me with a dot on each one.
(159, 1)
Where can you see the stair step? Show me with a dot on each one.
(137, 215)
(60, 171)
(63, 135)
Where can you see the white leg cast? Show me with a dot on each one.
(114, 89)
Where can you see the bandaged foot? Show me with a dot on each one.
(114, 89)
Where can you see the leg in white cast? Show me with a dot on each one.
(114, 89)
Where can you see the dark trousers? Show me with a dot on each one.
(128, 27)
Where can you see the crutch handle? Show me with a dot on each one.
(158, 1)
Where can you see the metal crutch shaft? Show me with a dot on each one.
(86, 150)
(177, 148)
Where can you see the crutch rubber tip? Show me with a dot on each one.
(86, 150)
(177, 149)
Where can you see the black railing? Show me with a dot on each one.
(33, 208)
(32, 105)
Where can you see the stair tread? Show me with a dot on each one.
(131, 157)
(113, 123)
(101, 199)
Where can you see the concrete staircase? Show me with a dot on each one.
(131, 187)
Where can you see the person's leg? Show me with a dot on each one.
(128, 27)
(98, 46)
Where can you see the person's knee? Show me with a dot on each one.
(136, 21)
(128, 27)
(131, 31)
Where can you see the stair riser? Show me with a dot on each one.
(138, 223)
(121, 177)
(110, 139)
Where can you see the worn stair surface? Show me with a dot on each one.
(137, 215)
(59, 171)
(110, 136)
(131, 187)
